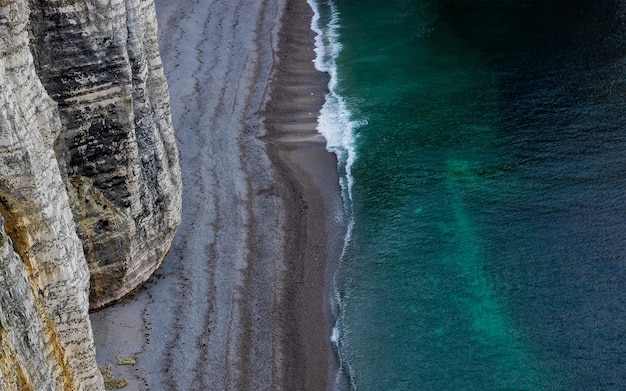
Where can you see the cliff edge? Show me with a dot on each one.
(89, 179)
(99, 61)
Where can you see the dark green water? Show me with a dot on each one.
(488, 196)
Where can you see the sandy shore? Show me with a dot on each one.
(240, 302)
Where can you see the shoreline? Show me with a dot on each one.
(299, 153)
(243, 300)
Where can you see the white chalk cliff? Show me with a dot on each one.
(89, 178)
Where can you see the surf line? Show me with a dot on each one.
(490, 326)
(337, 125)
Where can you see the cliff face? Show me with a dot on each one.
(89, 179)
(46, 338)
(99, 61)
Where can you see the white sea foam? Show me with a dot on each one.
(338, 126)
(335, 122)
(334, 338)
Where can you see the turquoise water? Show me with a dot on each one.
(482, 150)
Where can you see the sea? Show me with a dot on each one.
(482, 155)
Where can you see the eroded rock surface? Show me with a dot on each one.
(89, 179)
(99, 60)
(46, 340)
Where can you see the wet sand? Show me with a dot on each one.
(241, 301)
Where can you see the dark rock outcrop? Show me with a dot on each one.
(99, 60)
(89, 179)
